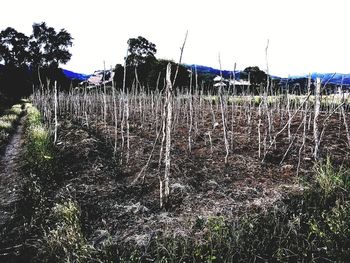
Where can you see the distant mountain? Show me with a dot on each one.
(213, 71)
(328, 78)
(75, 76)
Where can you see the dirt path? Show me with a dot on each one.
(10, 184)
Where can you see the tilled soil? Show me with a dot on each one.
(201, 186)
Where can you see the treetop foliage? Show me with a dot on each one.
(140, 51)
(13, 47)
(43, 48)
(31, 60)
(255, 75)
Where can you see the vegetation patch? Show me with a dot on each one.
(52, 229)
(63, 240)
(8, 123)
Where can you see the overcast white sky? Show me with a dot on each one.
(305, 36)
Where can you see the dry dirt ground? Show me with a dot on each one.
(201, 184)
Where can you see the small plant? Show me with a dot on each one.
(8, 123)
(34, 116)
(330, 179)
(257, 100)
(16, 109)
(5, 125)
(64, 242)
(39, 149)
(332, 231)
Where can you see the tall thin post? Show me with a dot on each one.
(316, 117)
(55, 109)
(169, 88)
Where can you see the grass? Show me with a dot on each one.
(8, 123)
(330, 179)
(5, 125)
(38, 153)
(64, 240)
(8, 120)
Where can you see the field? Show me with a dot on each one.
(181, 175)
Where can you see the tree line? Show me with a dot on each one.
(143, 68)
(32, 60)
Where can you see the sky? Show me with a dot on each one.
(304, 36)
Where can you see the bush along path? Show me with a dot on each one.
(11, 141)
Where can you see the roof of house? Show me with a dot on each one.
(239, 82)
(220, 82)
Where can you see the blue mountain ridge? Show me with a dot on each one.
(327, 78)
(330, 78)
(209, 70)
(75, 76)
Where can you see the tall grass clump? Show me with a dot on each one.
(330, 179)
(33, 116)
(330, 225)
(37, 164)
(63, 240)
(39, 148)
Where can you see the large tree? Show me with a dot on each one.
(140, 51)
(43, 51)
(44, 48)
(13, 48)
(49, 48)
(255, 75)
